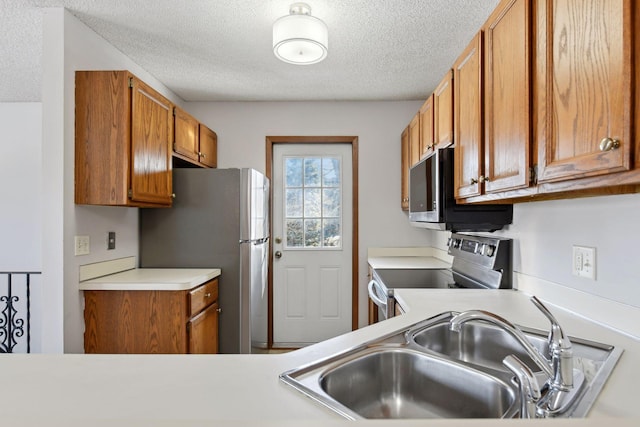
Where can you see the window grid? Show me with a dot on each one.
(311, 222)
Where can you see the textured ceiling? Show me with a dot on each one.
(220, 50)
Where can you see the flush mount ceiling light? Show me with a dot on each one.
(300, 38)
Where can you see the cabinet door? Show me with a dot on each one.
(467, 119)
(584, 87)
(507, 97)
(208, 147)
(404, 169)
(151, 135)
(443, 111)
(203, 331)
(186, 131)
(426, 127)
(414, 140)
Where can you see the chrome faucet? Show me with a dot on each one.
(529, 388)
(563, 381)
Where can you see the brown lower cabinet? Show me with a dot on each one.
(141, 322)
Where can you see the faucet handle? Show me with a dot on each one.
(528, 385)
(557, 339)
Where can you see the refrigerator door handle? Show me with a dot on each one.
(256, 241)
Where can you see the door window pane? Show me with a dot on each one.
(293, 208)
(313, 202)
(331, 233)
(330, 172)
(295, 235)
(312, 172)
(293, 168)
(312, 231)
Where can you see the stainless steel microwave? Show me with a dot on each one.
(432, 202)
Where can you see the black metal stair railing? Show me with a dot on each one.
(15, 315)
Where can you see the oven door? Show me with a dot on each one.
(379, 295)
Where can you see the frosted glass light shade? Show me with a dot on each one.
(300, 38)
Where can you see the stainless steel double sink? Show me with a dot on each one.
(429, 371)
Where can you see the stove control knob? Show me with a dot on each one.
(488, 250)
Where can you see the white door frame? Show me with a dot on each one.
(353, 140)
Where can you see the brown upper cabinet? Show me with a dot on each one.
(123, 135)
(467, 119)
(194, 142)
(443, 112)
(404, 169)
(507, 97)
(584, 88)
(414, 140)
(427, 142)
(208, 147)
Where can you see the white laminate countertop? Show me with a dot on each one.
(152, 279)
(187, 390)
(407, 263)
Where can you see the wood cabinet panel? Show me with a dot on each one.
(443, 111)
(151, 136)
(584, 87)
(404, 169)
(102, 138)
(507, 97)
(187, 132)
(468, 120)
(202, 296)
(414, 140)
(135, 322)
(208, 147)
(427, 142)
(203, 332)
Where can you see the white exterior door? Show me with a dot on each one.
(312, 229)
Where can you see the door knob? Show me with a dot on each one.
(278, 254)
(278, 240)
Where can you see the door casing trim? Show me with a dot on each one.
(353, 140)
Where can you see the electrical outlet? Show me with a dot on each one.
(111, 240)
(82, 245)
(584, 262)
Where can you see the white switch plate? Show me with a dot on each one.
(584, 262)
(82, 244)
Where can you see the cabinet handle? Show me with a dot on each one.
(219, 310)
(608, 144)
(173, 195)
(203, 155)
(484, 178)
(474, 181)
(207, 295)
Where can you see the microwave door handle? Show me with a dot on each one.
(373, 285)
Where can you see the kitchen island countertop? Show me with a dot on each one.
(201, 390)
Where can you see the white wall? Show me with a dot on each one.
(21, 209)
(21, 189)
(544, 233)
(243, 126)
(68, 46)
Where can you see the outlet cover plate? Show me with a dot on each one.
(584, 262)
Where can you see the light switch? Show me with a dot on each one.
(82, 245)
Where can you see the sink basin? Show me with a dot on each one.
(428, 371)
(478, 343)
(403, 383)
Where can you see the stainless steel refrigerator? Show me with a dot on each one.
(219, 218)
